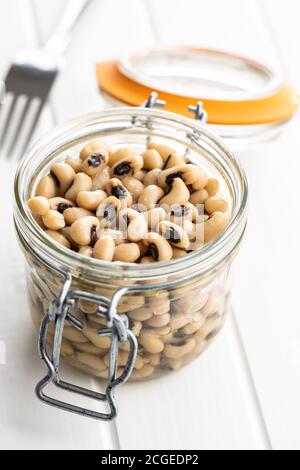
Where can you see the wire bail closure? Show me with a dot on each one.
(117, 327)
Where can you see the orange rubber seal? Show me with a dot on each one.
(277, 107)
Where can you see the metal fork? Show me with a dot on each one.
(31, 77)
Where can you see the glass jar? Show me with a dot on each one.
(163, 314)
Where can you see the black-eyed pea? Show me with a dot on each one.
(150, 342)
(123, 359)
(82, 182)
(87, 306)
(140, 314)
(134, 186)
(211, 327)
(179, 350)
(100, 179)
(214, 226)
(150, 196)
(157, 247)
(47, 187)
(175, 364)
(164, 150)
(58, 237)
(159, 302)
(175, 234)
(87, 347)
(104, 249)
(115, 188)
(94, 147)
(74, 163)
(91, 361)
(102, 342)
(215, 204)
(136, 327)
(199, 197)
(180, 320)
(157, 321)
(72, 214)
(127, 166)
(178, 252)
(130, 303)
(83, 230)
(127, 252)
(120, 154)
(214, 304)
(174, 160)
(117, 235)
(142, 248)
(134, 223)
(151, 177)
(39, 205)
(90, 200)
(95, 162)
(73, 335)
(153, 359)
(154, 216)
(146, 259)
(146, 371)
(189, 173)
(191, 302)
(64, 174)
(192, 327)
(178, 213)
(212, 186)
(60, 204)
(140, 175)
(152, 159)
(179, 194)
(107, 211)
(66, 347)
(86, 251)
(53, 220)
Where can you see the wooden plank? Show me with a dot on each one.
(25, 422)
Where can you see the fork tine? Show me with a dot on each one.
(19, 127)
(32, 129)
(8, 120)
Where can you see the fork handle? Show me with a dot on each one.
(61, 37)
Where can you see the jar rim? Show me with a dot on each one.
(203, 259)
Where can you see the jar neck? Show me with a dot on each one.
(138, 124)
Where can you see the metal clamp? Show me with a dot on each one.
(199, 112)
(153, 101)
(117, 327)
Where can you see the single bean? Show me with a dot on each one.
(158, 321)
(154, 216)
(146, 371)
(212, 186)
(65, 232)
(199, 197)
(82, 182)
(189, 173)
(146, 259)
(174, 160)
(127, 252)
(214, 226)
(95, 162)
(150, 196)
(58, 237)
(120, 154)
(178, 252)
(210, 328)
(178, 213)
(139, 175)
(134, 186)
(115, 188)
(127, 166)
(152, 159)
(136, 225)
(87, 347)
(215, 204)
(91, 360)
(151, 343)
(157, 247)
(140, 314)
(151, 177)
(179, 194)
(90, 200)
(39, 205)
(73, 335)
(154, 359)
(164, 150)
(107, 211)
(60, 204)
(102, 342)
(87, 306)
(75, 213)
(174, 234)
(101, 178)
(104, 249)
(180, 320)
(75, 164)
(47, 187)
(53, 220)
(83, 230)
(64, 174)
(123, 359)
(177, 351)
(94, 147)
(86, 251)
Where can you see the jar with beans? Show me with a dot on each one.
(137, 205)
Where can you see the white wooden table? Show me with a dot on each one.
(244, 392)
